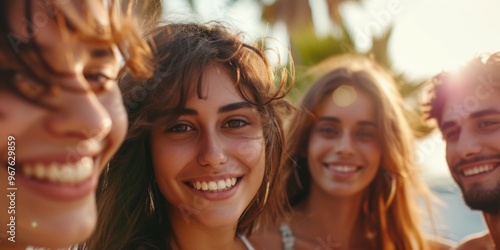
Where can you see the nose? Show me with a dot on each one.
(344, 145)
(467, 145)
(212, 151)
(82, 116)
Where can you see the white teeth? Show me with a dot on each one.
(344, 169)
(221, 184)
(53, 173)
(478, 170)
(56, 173)
(28, 171)
(39, 171)
(214, 186)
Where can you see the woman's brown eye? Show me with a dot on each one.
(100, 82)
(27, 86)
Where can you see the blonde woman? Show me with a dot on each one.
(352, 180)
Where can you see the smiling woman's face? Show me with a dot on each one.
(210, 163)
(344, 150)
(63, 139)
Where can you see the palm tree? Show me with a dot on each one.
(308, 48)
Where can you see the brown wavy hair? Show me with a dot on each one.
(78, 18)
(132, 210)
(389, 211)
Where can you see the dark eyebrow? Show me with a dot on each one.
(367, 123)
(235, 106)
(447, 125)
(328, 119)
(485, 112)
(223, 109)
(188, 112)
(337, 120)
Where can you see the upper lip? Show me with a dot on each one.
(343, 163)
(463, 167)
(57, 158)
(213, 177)
(68, 154)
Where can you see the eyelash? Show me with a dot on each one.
(242, 123)
(328, 131)
(32, 89)
(25, 84)
(448, 135)
(363, 134)
(175, 129)
(103, 81)
(489, 123)
(187, 128)
(366, 134)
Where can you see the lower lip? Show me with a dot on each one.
(479, 177)
(58, 191)
(218, 196)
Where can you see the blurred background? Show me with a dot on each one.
(414, 39)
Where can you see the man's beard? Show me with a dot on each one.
(479, 198)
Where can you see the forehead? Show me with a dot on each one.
(217, 85)
(467, 99)
(348, 102)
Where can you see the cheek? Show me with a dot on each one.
(316, 146)
(16, 116)
(372, 153)
(118, 115)
(251, 152)
(168, 162)
(169, 157)
(114, 106)
(449, 152)
(160, 155)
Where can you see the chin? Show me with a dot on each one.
(485, 200)
(57, 225)
(220, 218)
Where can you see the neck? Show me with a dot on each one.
(493, 222)
(334, 218)
(223, 237)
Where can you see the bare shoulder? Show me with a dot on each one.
(269, 239)
(475, 241)
(440, 244)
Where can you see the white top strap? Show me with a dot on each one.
(287, 237)
(246, 242)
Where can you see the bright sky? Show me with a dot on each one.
(428, 36)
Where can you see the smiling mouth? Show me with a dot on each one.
(481, 169)
(342, 168)
(71, 173)
(215, 185)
